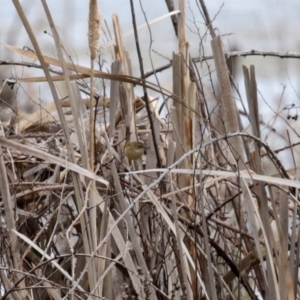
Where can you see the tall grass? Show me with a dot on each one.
(195, 218)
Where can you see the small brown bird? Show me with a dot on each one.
(135, 150)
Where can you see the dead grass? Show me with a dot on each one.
(196, 218)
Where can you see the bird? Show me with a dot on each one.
(134, 150)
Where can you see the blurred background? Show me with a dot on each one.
(270, 25)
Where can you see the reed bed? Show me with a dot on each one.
(195, 218)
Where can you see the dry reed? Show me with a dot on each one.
(195, 218)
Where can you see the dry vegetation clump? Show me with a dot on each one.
(194, 218)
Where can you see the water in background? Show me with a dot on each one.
(270, 25)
